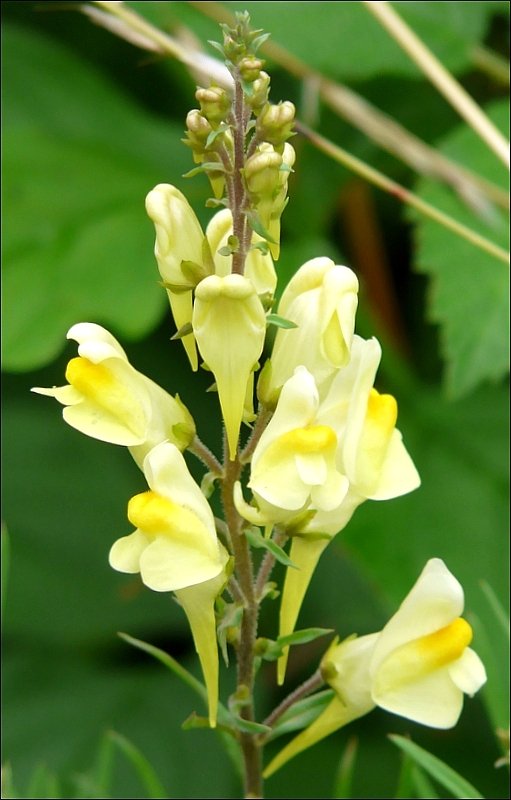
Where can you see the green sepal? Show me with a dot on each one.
(176, 288)
(193, 272)
(207, 485)
(257, 540)
(280, 322)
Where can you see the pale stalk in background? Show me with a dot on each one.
(448, 86)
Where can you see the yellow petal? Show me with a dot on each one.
(229, 325)
(199, 606)
(335, 716)
(304, 554)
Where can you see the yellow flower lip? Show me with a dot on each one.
(423, 656)
(313, 439)
(151, 512)
(445, 645)
(382, 410)
(101, 387)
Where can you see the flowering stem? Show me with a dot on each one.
(263, 418)
(245, 653)
(267, 565)
(202, 451)
(307, 687)
(239, 218)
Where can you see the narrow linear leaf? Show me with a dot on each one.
(496, 606)
(247, 726)
(43, 783)
(141, 765)
(104, 765)
(344, 779)
(422, 786)
(258, 541)
(302, 713)
(168, 662)
(303, 637)
(447, 777)
(5, 555)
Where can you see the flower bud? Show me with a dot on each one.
(179, 238)
(214, 103)
(229, 325)
(275, 123)
(262, 173)
(198, 130)
(260, 89)
(250, 68)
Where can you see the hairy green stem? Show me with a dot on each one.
(248, 633)
(202, 451)
(306, 688)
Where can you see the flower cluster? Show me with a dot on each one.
(323, 438)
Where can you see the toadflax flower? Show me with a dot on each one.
(108, 399)
(229, 324)
(321, 299)
(175, 549)
(419, 666)
(370, 455)
(293, 465)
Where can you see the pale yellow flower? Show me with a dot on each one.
(175, 548)
(419, 666)
(108, 399)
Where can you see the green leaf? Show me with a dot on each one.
(247, 726)
(170, 663)
(43, 783)
(423, 787)
(77, 242)
(302, 713)
(257, 540)
(5, 558)
(344, 778)
(280, 322)
(274, 649)
(303, 637)
(469, 294)
(499, 612)
(141, 765)
(445, 775)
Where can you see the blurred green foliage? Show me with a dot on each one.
(91, 124)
